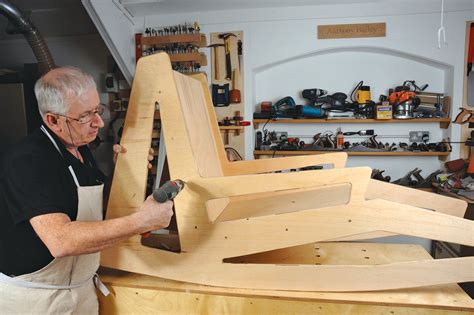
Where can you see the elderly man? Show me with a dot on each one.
(51, 216)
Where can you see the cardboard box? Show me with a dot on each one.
(383, 111)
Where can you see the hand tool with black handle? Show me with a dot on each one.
(168, 191)
(239, 54)
(368, 132)
(228, 64)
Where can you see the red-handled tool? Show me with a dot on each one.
(168, 191)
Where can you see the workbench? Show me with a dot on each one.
(139, 294)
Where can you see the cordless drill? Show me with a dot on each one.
(168, 191)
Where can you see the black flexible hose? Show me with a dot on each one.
(32, 35)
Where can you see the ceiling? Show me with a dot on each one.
(155, 7)
(49, 16)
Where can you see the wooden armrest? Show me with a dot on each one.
(338, 159)
(228, 186)
(415, 197)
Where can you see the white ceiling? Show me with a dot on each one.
(50, 16)
(157, 7)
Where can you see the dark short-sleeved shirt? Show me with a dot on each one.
(35, 180)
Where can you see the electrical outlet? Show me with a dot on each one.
(278, 136)
(419, 136)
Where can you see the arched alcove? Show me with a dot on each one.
(340, 69)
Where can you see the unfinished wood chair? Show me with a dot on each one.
(230, 213)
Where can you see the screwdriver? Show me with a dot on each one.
(166, 192)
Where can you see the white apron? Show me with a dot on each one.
(65, 285)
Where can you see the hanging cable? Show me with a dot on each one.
(442, 30)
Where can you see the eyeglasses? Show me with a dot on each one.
(87, 116)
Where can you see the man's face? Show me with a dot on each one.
(81, 108)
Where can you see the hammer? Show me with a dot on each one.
(228, 65)
(216, 60)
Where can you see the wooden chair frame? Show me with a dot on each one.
(229, 210)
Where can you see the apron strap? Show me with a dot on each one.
(99, 285)
(43, 129)
(74, 177)
(33, 285)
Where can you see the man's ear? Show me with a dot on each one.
(52, 122)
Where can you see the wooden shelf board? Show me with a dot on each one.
(408, 153)
(444, 122)
(231, 127)
(196, 39)
(196, 57)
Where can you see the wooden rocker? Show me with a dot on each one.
(234, 218)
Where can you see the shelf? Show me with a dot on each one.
(223, 128)
(196, 57)
(407, 153)
(443, 122)
(197, 39)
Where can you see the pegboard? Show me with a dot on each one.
(233, 76)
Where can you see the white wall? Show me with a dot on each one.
(283, 55)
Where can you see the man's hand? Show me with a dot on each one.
(117, 148)
(155, 215)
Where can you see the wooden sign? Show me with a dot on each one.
(351, 30)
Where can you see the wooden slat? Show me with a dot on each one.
(449, 297)
(128, 300)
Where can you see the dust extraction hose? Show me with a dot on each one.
(32, 35)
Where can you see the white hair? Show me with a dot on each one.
(58, 87)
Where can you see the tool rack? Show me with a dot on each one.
(233, 136)
(190, 57)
